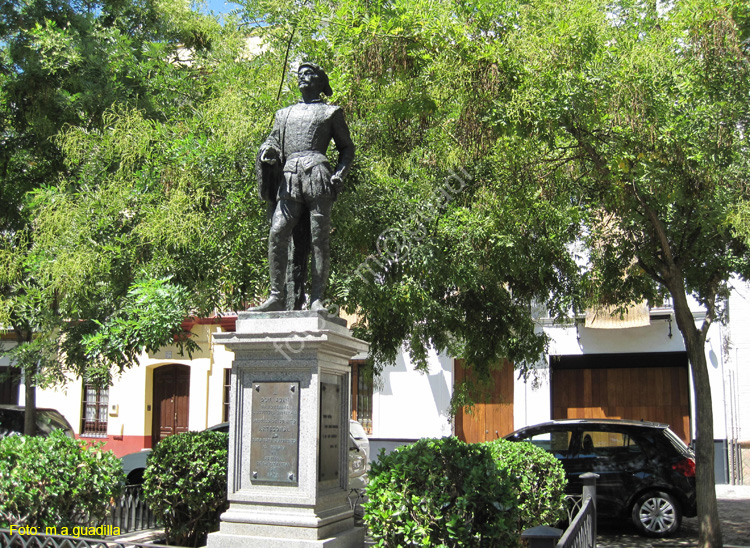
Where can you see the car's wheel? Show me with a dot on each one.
(135, 477)
(656, 514)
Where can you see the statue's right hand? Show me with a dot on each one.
(269, 156)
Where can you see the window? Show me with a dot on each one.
(227, 382)
(607, 444)
(555, 442)
(95, 403)
(362, 395)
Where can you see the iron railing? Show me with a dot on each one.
(131, 513)
(127, 514)
(573, 504)
(581, 533)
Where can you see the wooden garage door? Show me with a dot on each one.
(659, 394)
(492, 415)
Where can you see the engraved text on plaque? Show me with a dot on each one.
(330, 425)
(274, 447)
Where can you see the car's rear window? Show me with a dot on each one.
(11, 422)
(678, 444)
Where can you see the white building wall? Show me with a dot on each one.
(5, 360)
(531, 398)
(409, 404)
(736, 363)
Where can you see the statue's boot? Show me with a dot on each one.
(318, 304)
(277, 261)
(274, 303)
(321, 263)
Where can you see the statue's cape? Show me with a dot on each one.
(269, 178)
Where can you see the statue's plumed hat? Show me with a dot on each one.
(321, 74)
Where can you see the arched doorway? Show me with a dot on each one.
(171, 401)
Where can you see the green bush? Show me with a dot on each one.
(537, 477)
(447, 493)
(55, 481)
(185, 484)
(440, 493)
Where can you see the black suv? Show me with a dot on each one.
(645, 471)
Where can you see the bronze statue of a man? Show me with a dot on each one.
(297, 180)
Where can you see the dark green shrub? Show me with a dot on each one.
(440, 493)
(185, 484)
(537, 477)
(55, 481)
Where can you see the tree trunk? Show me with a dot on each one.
(29, 417)
(709, 535)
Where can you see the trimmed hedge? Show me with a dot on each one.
(185, 484)
(538, 479)
(56, 481)
(447, 493)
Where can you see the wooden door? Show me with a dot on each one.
(171, 401)
(492, 414)
(658, 394)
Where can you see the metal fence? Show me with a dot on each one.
(573, 505)
(127, 514)
(581, 533)
(131, 513)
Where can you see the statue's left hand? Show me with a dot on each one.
(337, 182)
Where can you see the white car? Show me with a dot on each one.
(359, 456)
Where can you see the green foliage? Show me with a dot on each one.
(119, 167)
(185, 484)
(444, 242)
(55, 481)
(151, 314)
(538, 479)
(447, 493)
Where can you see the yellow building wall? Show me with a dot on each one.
(131, 405)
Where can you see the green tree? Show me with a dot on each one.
(65, 67)
(619, 126)
(647, 110)
(163, 195)
(434, 242)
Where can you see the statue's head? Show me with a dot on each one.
(311, 74)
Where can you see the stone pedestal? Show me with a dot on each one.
(289, 433)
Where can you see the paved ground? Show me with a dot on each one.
(734, 513)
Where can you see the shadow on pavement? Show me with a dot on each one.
(734, 514)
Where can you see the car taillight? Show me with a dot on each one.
(686, 467)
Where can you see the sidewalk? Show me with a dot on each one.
(734, 513)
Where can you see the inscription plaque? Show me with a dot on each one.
(274, 444)
(330, 426)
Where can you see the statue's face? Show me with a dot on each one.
(307, 78)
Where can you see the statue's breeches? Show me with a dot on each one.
(307, 175)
